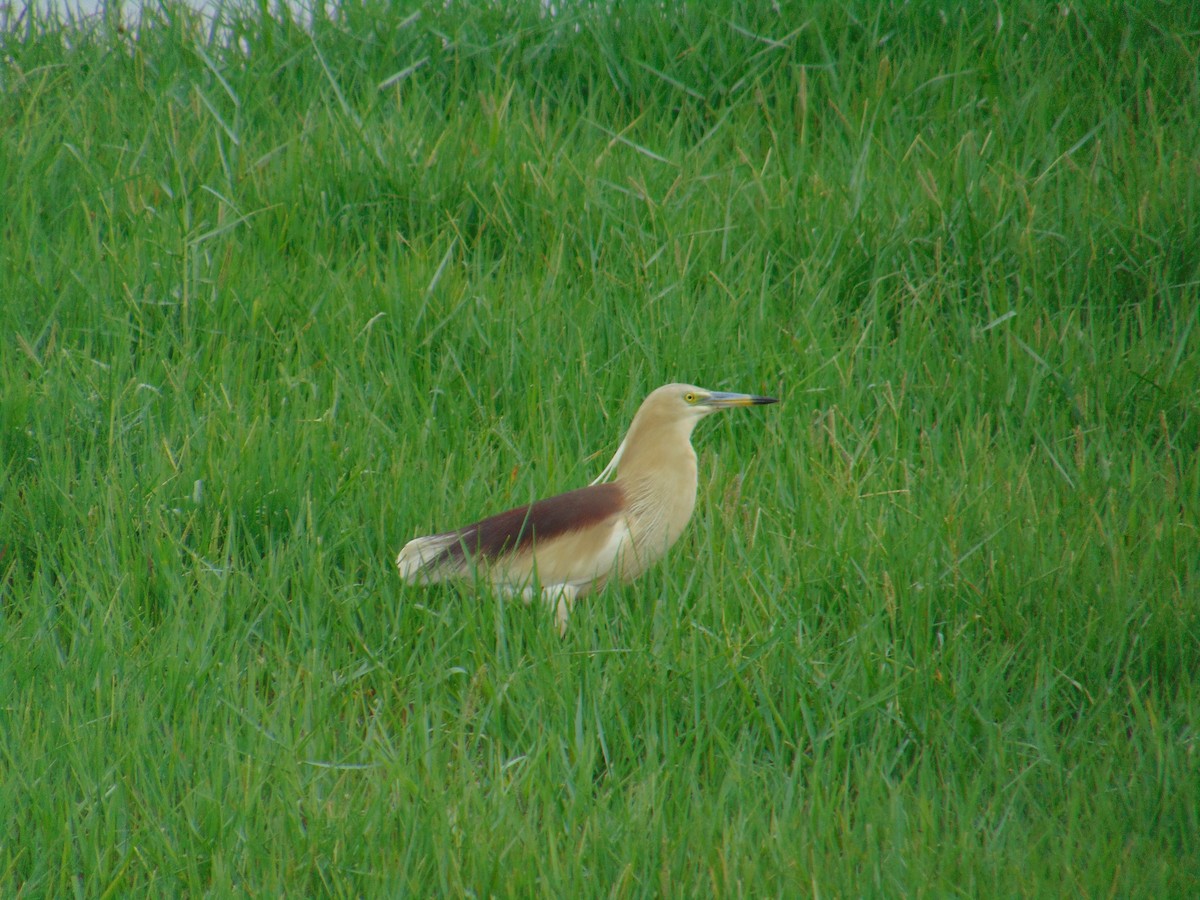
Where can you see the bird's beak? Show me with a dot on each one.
(722, 400)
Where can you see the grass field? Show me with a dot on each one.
(276, 299)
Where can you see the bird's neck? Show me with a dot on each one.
(658, 473)
(656, 448)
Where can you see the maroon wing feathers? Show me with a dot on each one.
(515, 529)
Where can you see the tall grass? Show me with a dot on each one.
(278, 295)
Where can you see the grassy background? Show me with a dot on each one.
(276, 299)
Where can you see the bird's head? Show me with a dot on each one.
(687, 403)
(673, 409)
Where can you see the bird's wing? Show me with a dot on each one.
(578, 518)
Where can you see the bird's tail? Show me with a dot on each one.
(421, 559)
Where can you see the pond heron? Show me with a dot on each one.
(571, 544)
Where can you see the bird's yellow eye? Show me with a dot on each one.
(690, 397)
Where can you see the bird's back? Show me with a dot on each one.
(566, 538)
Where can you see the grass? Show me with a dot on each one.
(277, 298)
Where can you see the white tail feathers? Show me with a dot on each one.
(416, 561)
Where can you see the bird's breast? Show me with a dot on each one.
(659, 507)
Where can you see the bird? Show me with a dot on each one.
(567, 546)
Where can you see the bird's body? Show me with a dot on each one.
(572, 544)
